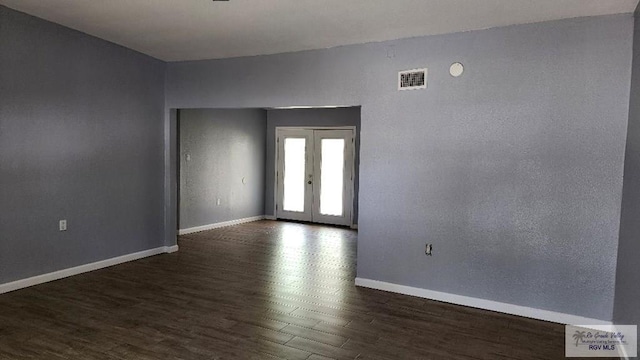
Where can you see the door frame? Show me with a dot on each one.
(353, 164)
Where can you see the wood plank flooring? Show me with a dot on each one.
(263, 290)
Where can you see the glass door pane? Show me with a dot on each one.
(332, 177)
(294, 173)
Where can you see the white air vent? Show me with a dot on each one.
(412, 79)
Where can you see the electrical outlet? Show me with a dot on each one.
(428, 250)
(218, 201)
(63, 225)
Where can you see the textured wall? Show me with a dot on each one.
(81, 138)
(627, 308)
(308, 117)
(224, 147)
(513, 171)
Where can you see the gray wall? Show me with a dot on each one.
(627, 308)
(81, 138)
(513, 171)
(224, 146)
(308, 117)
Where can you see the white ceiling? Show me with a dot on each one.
(201, 29)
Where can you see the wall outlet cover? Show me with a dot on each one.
(428, 250)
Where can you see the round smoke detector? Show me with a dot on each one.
(456, 69)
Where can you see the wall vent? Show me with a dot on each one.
(412, 79)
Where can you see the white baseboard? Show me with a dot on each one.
(171, 249)
(219, 225)
(20, 284)
(270, 217)
(524, 311)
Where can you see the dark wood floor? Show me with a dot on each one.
(264, 290)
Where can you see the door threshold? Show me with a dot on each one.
(316, 223)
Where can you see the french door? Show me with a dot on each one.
(315, 175)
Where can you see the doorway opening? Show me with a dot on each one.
(224, 165)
